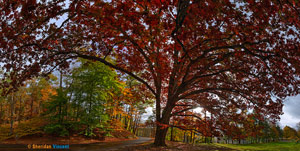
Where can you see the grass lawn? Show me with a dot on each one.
(278, 146)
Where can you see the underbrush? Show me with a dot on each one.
(40, 127)
(25, 128)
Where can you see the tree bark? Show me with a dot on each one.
(161, 132)
(1, 114)
(12, 103)
(191, 137)
(19, 112)
(160, 136)
(31, 107)
(171, 139)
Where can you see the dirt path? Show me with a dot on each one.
(102, 146)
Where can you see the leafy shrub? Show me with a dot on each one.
(56, 129)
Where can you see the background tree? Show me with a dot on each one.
(20, 107)
(85, 98)
(290, 133)
(298, 128)
(276, 132)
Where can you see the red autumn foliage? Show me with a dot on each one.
(217, 54)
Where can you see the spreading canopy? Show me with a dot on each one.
(214, 53)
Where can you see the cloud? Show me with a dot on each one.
(147, 114)
(291, 111)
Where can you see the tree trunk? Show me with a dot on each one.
(31, 107)
(205, 139)
(161, 132)
(12, 114)
(191, 137)
(171, 139)
(193, 141)
(1, 114)
(60, 103)
(20, 106)
(160, 136)
(77, 113)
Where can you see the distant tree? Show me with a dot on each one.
(276, 132)
(290, 133)
(298, 128)
(26, 103)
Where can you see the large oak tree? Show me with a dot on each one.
(188, 53)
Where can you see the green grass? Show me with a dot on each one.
(278, 146)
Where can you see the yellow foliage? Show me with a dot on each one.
(47, 92)
(33, 126)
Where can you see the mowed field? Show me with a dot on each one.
(179, 146)
(278, 146)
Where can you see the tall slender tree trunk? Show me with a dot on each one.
(193, 141)
(60, 104)
(171, 139)
(126, 122)
(210, 128)
(20, 110)
(77, 112)
(12, 103)
(1, 114)
(31, 107)
(191, 137)
(205, 139)
(90, 110)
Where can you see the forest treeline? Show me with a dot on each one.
(91, 100)
(205, 128)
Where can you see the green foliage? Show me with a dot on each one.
(83, 100)
(56, 107)
(57, 129)
(108, 135)
(88, 101)
(93, 85)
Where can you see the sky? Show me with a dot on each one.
(291, 109)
